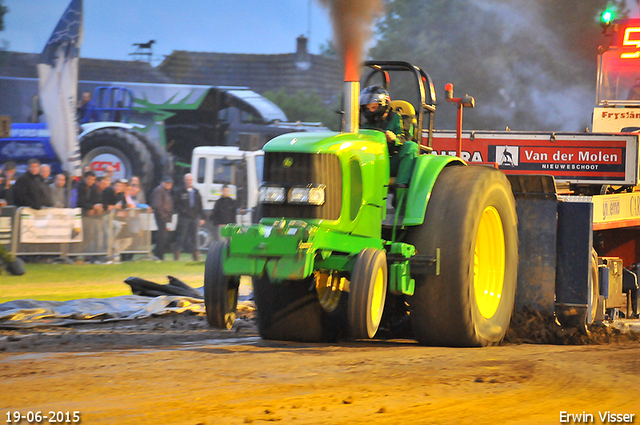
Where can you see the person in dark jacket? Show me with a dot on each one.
(7, 179)
(162, 205)
(30, 190)
(224, 211)
(112, 194)
(188, 205)
(88, 200)
(87, 195)
(86, 111)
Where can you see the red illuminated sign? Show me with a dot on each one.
(631, 39)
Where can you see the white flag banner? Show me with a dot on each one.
(58, 86)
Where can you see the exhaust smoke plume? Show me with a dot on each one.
(352, 22)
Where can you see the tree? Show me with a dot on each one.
(305, 106)
(3, 10)
(328, 49)
(530, 64)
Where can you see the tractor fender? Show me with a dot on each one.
(425, 173)
(90, 127)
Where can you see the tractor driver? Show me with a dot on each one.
(375, 107)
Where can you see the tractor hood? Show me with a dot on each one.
(353, 168)
(329, 142)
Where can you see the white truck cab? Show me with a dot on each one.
(213, 167)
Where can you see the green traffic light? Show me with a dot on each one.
(607, 17)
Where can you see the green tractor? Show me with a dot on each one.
(332, 257)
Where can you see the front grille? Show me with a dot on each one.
(304, 169)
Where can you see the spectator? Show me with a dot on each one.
(128, 189)
(29, 190)
(75, 181)
(3, 202)
(86, 109)
(114, 199)
(133, 221)
(102, 182)
(88, 195)
(7, 179)
(58, 191)
(139, 196)
(109, 171)
(224, 211)
(45, 172)
(162, 205)
(188, 204)
(108, 194)
(136, 198)
(103, 196)
(89, 202)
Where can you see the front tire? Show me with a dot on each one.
(291, 311)
(220, 291)
(368, 291)
(471, 218)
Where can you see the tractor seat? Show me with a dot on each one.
(408, 114)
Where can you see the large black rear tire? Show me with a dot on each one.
(471, 218)
(220, 291)
(291, 311)
(131, 153)
(162, 161)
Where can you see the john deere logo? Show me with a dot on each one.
(287, 163)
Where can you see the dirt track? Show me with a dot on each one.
(175, 370)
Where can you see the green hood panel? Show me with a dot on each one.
(327, 142)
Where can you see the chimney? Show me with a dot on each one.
(302, 56)
(301, 50)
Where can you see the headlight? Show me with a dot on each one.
(312, 195)
(272, 195)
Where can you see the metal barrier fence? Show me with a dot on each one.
(66, 232)
(7, 215)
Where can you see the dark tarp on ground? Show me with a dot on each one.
(31, 313)
(149, 299)
(175, 286)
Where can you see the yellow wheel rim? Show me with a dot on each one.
(376, 299)
(328, 294)
(230, 315)
(489, 263)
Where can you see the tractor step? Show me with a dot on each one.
(388, 222)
